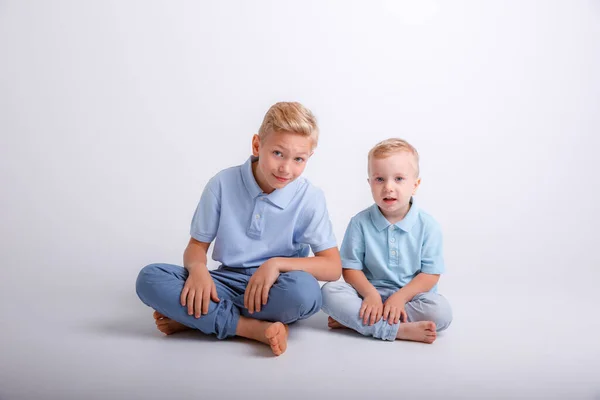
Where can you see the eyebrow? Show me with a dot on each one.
(402, 175)
(304, 153)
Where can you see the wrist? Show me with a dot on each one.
(401, 295)
(371, 292)
(195, 267)
(276, 263)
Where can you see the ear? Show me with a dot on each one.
(417, 184)
(255, 145)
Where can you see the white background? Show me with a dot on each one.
(113, 116)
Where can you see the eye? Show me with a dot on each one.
(299, 160)
(277, 153)
(399, 179)
(379, 179)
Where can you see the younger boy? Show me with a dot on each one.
(263, 217)
(392, 257)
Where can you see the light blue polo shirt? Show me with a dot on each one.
(391, 255)
(249, 227)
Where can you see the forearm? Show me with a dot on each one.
(420, 284)
(324, 266)
(194, 255)
(359, 281)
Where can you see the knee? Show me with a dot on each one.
(148, 278)
(303, 290)
(439, 311)
(329, 291)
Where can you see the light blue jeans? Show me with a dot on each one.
(295, 295)
(342, 303)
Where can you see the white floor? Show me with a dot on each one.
(104, 345)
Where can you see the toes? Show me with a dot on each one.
(158, 315)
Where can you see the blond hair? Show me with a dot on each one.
(388, 147)
(289, 117)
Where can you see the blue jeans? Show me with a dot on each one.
(295, 295)
(342, 303)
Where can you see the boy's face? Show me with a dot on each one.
(393, 181)
(282, 157)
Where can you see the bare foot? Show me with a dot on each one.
(168, 326)
(333, 324)
(423, 331)
(277, 334)
(274, 334)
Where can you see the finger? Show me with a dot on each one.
(379, 314)
(386, 312)
(258, 298)
(184, 294)
(198, 304)
(251, 299)
(367, 315)
(190, 302)
(404, 316)
(205, 301)
(361, 313)
(213, 293)
(373, 315)
(392, 316)
(246, 292)
(195, 303)
(265, 294)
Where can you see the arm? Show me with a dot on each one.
(314, 229)
(359, 281)
(353, 256)
(432, 265)
(371, 308)
(199, 287)
(194, 255)
(326, 265)
(419, 284)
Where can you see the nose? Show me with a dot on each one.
(283, 167)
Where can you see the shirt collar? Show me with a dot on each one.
(279, 197)
(405, 224)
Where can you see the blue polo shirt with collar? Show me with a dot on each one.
(391, 255)
(249, 226)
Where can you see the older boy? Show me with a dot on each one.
(263, 217)
(392, 257)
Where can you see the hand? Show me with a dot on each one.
(371, 309)
(393, 309)
(199, 288)
(257, 291)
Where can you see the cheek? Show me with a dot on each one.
(299, 169)
(266, 166)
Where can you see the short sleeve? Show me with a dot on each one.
(314, 225)
(432, 260)
(353, 247)
(206, 218)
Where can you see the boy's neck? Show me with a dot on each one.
(394, 219)
(253, 166)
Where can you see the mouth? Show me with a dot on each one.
(389, 200)
(280, 179)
